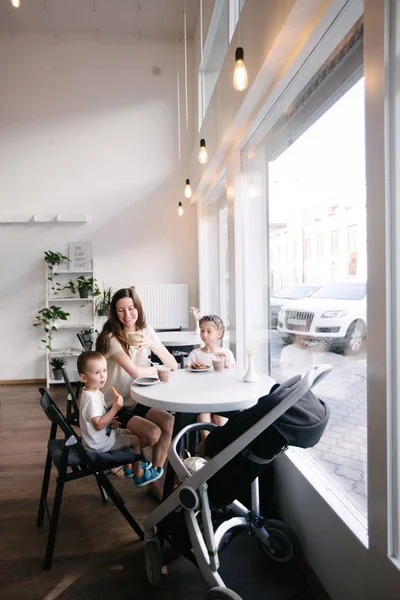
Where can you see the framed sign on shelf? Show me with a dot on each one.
(80, 256)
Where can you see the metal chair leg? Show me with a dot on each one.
(55, 514)
(103, 492)
(44, 492)
(119, 503)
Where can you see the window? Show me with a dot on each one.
(336, 323)
(352, 238)
(307, 248)
(235, 7)
(335, 242)
(320, 245)
(215, 49)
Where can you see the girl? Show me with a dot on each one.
(212, 331)
(126, 341)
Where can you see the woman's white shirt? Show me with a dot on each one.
(117, 376)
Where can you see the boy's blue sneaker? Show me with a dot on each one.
(144, 464)
(149, 475)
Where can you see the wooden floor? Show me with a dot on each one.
(97, 555)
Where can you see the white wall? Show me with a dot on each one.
(85, 127)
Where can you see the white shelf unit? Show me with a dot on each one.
(65, 343)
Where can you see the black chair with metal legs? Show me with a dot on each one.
(72, 410)
(74, 462)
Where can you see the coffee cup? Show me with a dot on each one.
(163, 372)
(135, 338)
(218, 363)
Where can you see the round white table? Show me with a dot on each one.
(209, 391)
(194, 393)
(179, 338)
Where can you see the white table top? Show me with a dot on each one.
(203, 392)
(179, 338)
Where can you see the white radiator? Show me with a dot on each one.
(165, 306)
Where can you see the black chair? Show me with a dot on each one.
(85, 345)
(74, 462)
(72, 411)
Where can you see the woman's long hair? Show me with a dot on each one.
(114, 327)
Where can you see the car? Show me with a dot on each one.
(285, 295)
(335, 314)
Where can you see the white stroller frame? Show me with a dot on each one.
(192, 495)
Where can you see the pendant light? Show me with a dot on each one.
(188, 189)
(16, 3)
(203, 154)
(180, 209)
(240, 79)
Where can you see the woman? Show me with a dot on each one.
(126, 362)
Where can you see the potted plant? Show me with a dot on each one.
(53, 260)
(103, 301)
(48, 318)
(85, 286)
(57, 364)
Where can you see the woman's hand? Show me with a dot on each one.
(141, 341)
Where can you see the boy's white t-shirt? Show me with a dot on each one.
(198, 355)
(116, 376)
(92, 404)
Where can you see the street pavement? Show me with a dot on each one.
(342, 451)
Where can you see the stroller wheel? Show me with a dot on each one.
(153, 559)
(220, 593)
(283, 541)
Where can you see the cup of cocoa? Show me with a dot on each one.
(163, 372)
(135, 338)
(218, 363)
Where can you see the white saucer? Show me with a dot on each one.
(146, 380)
(199, 370)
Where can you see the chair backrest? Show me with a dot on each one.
(54, 414)
(85, 345)
(72, 399)
(57, 419)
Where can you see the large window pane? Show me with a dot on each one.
(318, 301)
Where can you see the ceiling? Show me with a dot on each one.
(141, 19)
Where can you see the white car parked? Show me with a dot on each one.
(336, 314)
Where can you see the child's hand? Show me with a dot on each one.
(199, 365)
(115, 424)
(119, 401)
(222, 354)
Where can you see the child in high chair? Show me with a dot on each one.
(99, 426)
(212, 331)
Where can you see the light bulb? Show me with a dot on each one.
(188, 189)
(203, 154)
(16, 3)
(240, 80)
(180, 209)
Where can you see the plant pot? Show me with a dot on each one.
(57, 374)
(83, 293)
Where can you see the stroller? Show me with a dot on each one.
(200, 515)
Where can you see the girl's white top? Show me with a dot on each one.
(198, 355)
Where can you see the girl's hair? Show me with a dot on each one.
(217, 321)
(114, 327)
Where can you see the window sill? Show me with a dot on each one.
(326, 487)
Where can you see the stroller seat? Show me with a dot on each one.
(199, 514)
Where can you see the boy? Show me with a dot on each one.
(96, 423)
